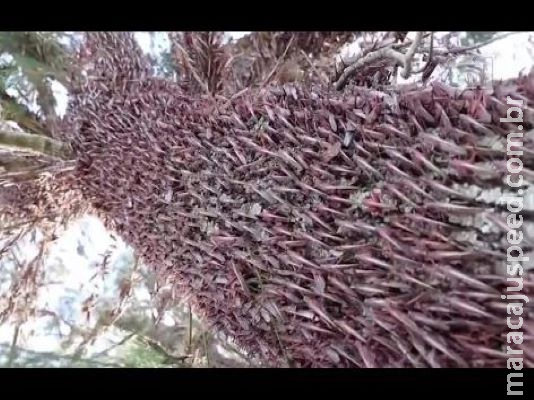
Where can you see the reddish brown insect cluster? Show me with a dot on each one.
(316, 229)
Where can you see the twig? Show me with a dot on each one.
(169, 357)
(14, 239)
(313, 67)
(58, 319)
(485, 43)
(190, 335)
(191, 69)
(115, 345)
(430, 54)
(13, 348)
(234, 96)
(18, 224)
(277, 62)
(458, 50)
(101, 326)
(206, 349)
(435, 56)
(410, 54)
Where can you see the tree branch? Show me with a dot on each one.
(430, 54)
(314, 69)
(115, 345)
(277, 63)
(13, 349)
(410, 54)
(35, 144)
(386, 52)
(404, 60)
(170, 358)
(458, 50)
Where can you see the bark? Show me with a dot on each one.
(34, 143)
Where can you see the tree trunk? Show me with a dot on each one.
(34, 143)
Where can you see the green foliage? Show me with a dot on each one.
(35, 51)
(14, 111)
(36, 56)
(6, 70)
(141, 355)
(166, 65)
(475, 37)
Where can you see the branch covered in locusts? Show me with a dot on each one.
(254, 60)
(315, 228)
